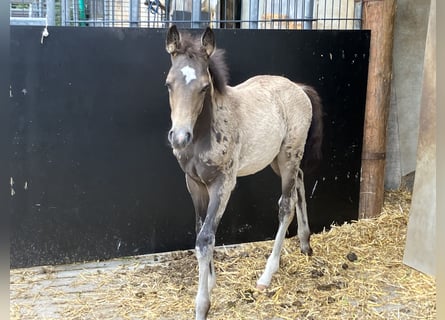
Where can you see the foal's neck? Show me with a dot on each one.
(205, 121)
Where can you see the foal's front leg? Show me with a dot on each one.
(219, 193)
(200, 198)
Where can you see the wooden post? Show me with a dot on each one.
(378, 16)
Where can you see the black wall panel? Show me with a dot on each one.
(92, 175)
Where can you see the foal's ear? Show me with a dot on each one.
(208, 41)
(172, 42)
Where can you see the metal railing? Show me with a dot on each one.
(248, 14)
(32, 12)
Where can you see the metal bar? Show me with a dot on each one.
(324, 21)
(104, 16)
(92, 12)
(121, 14)
(253, 14)
(51, 12)
(74, 10)
(134, 13)
(278, 13)
(196, 13)
(309, 20)
(339, 14)
(113, 11)
(38, 8)
(27, 21)
(358, 8)
(316, 15)
(272, 12)
(303, 5)
(63, 12)
(288, 13)
(308, 14)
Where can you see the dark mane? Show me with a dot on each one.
(219, 70)
(217, 65)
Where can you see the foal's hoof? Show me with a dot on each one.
(261, 287)
(307, 252)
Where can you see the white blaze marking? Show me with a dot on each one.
(189, 74)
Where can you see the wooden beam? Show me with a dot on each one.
(378, 16)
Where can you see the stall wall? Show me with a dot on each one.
(92, 175)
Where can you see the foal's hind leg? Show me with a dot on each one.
(303, 226)
(287, 168)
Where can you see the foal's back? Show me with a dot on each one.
(269, 110)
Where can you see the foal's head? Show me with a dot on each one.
(189, 81)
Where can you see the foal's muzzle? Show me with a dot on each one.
(179, 139)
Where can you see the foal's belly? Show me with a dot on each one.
(255, 156)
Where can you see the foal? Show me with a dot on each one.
(220, 132)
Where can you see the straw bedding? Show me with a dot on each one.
(356, 272)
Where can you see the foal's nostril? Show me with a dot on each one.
(170, 136)
(188, 136)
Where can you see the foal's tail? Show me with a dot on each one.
(312, 150)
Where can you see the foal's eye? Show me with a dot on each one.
(205, 88)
